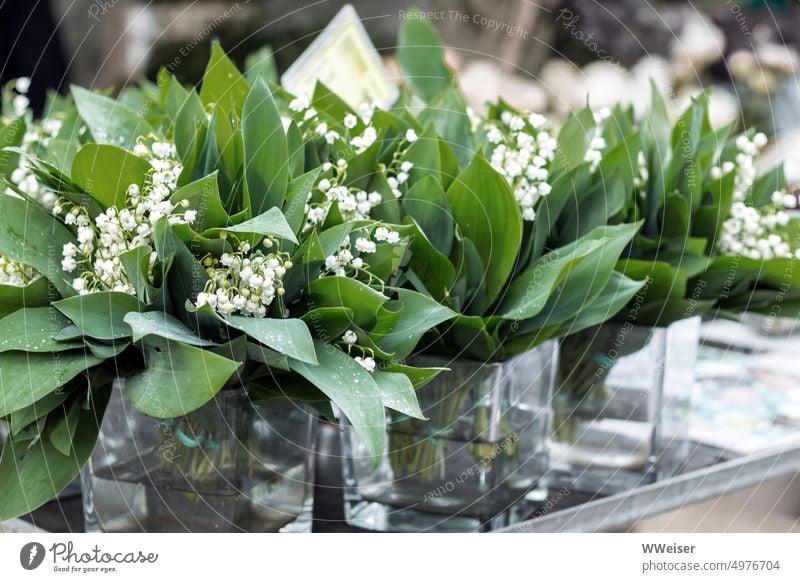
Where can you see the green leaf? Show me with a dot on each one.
(187, 277)
(266, 152)
(584, 283)
(270, 223)
(32, 474)
(31, 235)
(110, 121)
(448, 113)
(487, 213)
(574, 139)
(397, 393)
(420, 313)
(105, 351)
(261, 63)
(424, 154)
(163, 325)
(11, 135)
(529, 292)
(34, 294)
(420, 55)
(352, 389)
(42, 407)
(287, 336)
(223, 84)
(106, 171)
(435, 272)
(294, 209)
(191, 126)
(203, 196)
(178, 378)
(328, 323)
(100, 315)
(136, 264)
(619, 291)
(418, 376)
(26, 377)
(62, 424)
(363, 300)
(31, 330)
(426, 202)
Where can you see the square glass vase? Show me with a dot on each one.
(479, 458)
(233, 465)
(622, 405)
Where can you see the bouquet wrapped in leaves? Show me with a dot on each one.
(480, 198)
(717, 239)
(187, 242)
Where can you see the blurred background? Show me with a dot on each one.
(547, 56)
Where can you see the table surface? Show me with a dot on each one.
(708, 473)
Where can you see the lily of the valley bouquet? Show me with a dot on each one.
(718, 239)
(477, 195)
(188, 243)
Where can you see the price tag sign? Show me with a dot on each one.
(345, 60)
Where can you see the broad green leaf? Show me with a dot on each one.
(619, 291)
(223, 84)
(164, 325)
(287, 336)
(487, 213)
(269, 223)
(100, 315)
(420, 55)
(191, 126)
(448, 113)
(420, 314)
(573, 140)
(429, 269)
(11, 135)
(663, 280)
(424, 154)
(397, 393)
(178, 378)
(203, 197)
(104, 351)
(31, 474)
(328, 323)
(136, 264)
(266, 153)
(426, 202)
(328, 103)
(264, 355)
(352, 389)
(529, 292)
(363, 300)
(582, 285)
(26, 377)
(31, 330)
(261, 63)
(31, 235)
(187, 277)
(34, 294)
(62, 424)
(106, 171)
(110, 121)
(294, 209)
(418, 376)
(296, 146)
(39, 409)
